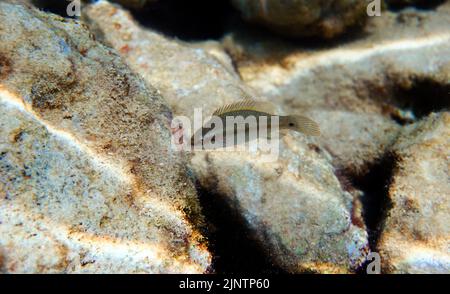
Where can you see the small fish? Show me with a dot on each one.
(249, 107)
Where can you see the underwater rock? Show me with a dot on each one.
(305, 17)
(355, 140)
(294, 206)
(21, 2)
(415, 235)
(88, 182)
(375, 80)
(188, 77)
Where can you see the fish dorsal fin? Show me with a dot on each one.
(246, 104)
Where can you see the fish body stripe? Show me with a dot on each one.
(245, 114)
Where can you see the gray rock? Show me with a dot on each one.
(88, 182)
(294, 206)
(304, 18)
(415, 234)
(352, 90)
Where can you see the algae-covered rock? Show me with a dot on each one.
(415, 235)
(88, 182)
(361, 91)
(294, 206)
(303, 17)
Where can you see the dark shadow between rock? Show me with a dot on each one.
(376, 203)
(231, 243)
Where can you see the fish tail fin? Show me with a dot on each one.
(301, 124)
